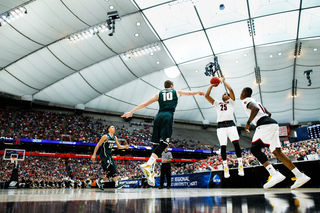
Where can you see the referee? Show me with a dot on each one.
(166, 168)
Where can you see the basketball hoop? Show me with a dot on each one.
(13, 159)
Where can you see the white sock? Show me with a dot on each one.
(151, 161)
(296, 172)
(225, 164)
(271, 170)
(116, 183)
(239, 161)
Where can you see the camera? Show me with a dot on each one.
(111, 21)
(113, 15)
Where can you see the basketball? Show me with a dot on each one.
(215, 80)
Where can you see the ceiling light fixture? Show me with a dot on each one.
(270, 56)
(184, 2)
(279, 54)
(111, 7)
(138, 24)
(148, 49)
(258, 75)
(13, 14)
(136, 34)
(315, 49)
(245, 55)
(294, 87)
(251, 27)
(297, 49)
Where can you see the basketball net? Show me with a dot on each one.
(14, 160)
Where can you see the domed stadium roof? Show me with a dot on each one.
(62, 53)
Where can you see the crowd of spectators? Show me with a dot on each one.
(35, 125)
(51, 169)
(31, 124)
(53, 126)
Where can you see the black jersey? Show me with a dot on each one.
(168, 100)
(108, 145)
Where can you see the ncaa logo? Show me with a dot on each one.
(13, 183)
(216, 179)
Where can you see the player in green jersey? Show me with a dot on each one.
(163, 122)
(109, 167)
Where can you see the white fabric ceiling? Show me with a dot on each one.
(37, 59)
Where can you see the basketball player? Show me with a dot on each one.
(107, 141)
(162, 127)
(267, 134)
(226, 127)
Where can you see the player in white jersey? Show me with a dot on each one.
(267, 135)
(226, 127)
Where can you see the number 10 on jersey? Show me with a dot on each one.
(167, 96)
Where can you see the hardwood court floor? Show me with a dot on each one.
(164, 200)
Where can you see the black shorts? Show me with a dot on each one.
(162, 127)
(108, 165)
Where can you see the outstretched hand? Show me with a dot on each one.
(201, 93)
(127, 115)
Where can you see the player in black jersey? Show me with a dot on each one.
(163, 122)
(107, 141)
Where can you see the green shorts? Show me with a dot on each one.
(108, 165)
(162, 127)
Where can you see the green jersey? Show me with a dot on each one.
(108, 145)
(168, 100)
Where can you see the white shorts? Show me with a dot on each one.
(269, 135)
(227, 132)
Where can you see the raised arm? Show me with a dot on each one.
(189, 93)
(207, 96)
(229, 88)
(141, 106)
(121, 147)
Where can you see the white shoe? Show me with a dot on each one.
(300, 181)
(240, 170)
(273, 180)
(226, 172)
(100, 186)
(146, 169)
(151, 181)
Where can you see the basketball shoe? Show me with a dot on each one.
(151, 181)
(300, 181)
(240, 170)
(273, 180)
(226, 172)
(120, 185)
(99, 184)
(146, 169)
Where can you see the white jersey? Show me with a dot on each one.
(224, 110)
(261, 113)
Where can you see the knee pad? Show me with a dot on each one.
(237, 148)
(224, 152)
(158, 151)
(256, 151)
